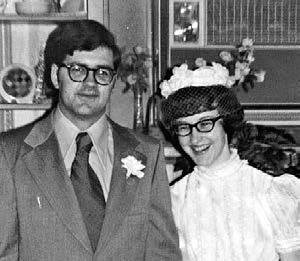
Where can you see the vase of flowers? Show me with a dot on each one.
(134, 72)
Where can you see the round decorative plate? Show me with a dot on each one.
(17, 83)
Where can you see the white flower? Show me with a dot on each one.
(247, 45)
(200, 62)
(210, 75)
(226, 56)
(203, 76)
(131, 79)
(237, 73)
(230, 81)
(247, 42)
(133, 166)
(181, 78)
(138, 49)
(250, 58)
(260, 75)
(243, 67)
(148, 62)
(166, 89)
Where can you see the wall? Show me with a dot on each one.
(128, 21)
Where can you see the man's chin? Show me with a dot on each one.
(85, 114)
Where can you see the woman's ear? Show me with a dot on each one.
(54, 76)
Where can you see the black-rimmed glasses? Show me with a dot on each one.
(79, 73)
(205, 125)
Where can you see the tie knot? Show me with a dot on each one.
(84, 142)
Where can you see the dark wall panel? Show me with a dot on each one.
(282, 80)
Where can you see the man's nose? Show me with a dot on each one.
(90, 79)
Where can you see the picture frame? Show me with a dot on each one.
(17, 83)
(185, 25)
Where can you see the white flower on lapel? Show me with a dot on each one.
(133, 166)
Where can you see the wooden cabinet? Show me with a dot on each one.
(22, 37)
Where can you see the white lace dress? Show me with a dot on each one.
(236, 213)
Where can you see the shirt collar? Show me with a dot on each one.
(67, 132)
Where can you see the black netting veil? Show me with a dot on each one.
(192, 100)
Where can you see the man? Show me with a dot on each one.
(75, 185)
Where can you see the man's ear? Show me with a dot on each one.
(54, 76)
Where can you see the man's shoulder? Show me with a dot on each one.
(15, 135)
(19, 134)
(143, 138)
(12, 141)
(139, 136)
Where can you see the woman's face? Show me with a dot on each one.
(205, 148)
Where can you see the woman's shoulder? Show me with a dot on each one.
(285, 179)
(266, 182)
(282, 199)
(286, 184)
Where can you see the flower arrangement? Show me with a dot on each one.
(134, 69)
(233, 70)
(238, 63)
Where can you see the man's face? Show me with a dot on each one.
(83, 103)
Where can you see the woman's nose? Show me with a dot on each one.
(196, 135)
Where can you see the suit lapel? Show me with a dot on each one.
(122, 190)
(46, 166)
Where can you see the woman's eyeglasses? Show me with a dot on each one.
(206, 125)
(79, 73)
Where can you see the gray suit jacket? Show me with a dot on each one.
(40, 217)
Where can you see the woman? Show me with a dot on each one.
(224, 209)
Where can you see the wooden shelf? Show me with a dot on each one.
(14, 106)
(43, 17)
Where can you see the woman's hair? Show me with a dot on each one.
(81, 35)
(196, 99)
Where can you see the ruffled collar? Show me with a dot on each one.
(224, 169)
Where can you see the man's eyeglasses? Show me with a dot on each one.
(206, 125)
(79, 73)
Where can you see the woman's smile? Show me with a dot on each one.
(200, 149)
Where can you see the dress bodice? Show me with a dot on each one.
(236, 212)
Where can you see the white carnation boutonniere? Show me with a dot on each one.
(133, 166)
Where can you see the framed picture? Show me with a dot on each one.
(184, 25)
(17, 84)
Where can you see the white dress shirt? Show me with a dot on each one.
(101, 155)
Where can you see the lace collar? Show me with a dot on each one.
(224, 169)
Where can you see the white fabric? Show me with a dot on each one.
(236, 212)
